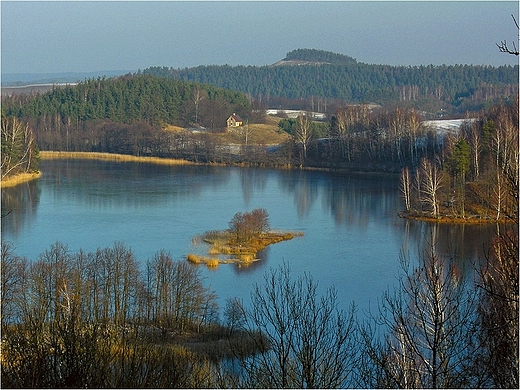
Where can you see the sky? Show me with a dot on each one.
(79, 36)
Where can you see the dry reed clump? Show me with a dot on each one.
(212, 263)
(20, 178)
(193, 258)
(219, 249)
(214, 250)
(246, 257)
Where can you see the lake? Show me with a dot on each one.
(353, 238)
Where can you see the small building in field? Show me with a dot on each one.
(234, 121)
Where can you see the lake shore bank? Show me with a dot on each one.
(453, 220)
(20, 178)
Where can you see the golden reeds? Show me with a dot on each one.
(222, 242)
(20, 178)
(50, 155)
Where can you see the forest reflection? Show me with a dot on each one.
(351, 199)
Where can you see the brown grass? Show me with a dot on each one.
(174, 129)
(20, 178)
(259, 134)
(50, 155)
(223, 243)
(193, 258)
(211, 262)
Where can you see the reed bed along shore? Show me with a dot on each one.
(51, 155)
(19, 179)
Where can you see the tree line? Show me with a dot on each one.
(104, 319)
(471, 172)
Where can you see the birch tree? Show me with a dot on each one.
(405, 188)
(431, 183)
(19, 153)
(303, 134)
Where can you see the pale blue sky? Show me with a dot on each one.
(47, 37)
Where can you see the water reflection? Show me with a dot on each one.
(355, 198)
(352, 235)
(19, 206)
(251, 181)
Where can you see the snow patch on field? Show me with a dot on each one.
(446, 126)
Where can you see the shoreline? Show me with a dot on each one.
(453, 220)
(19, 178)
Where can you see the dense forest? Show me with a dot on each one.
(130, 99)
(438, 90)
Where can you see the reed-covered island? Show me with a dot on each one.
(248, 234)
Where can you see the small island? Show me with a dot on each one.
(248, 234)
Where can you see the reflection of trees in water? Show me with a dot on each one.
(102, 184)
(353, 198)
(303, 186)
(19, 205)
(467, 245)
(251, 180)
(350, 198)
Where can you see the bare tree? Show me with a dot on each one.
(499, 309)
(503, 46)
(13, 270)
(198, 96)
(472, 134)
(303, 340)
(430, 339)
(303, 134)
(234, 314)
(18, 147)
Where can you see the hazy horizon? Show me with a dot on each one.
(80, 37)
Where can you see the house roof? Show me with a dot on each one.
(235, 117)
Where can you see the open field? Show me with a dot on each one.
(257, 133)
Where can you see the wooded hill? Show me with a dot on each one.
(326, 75)
(130, 99)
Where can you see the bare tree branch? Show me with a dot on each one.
(504, 48)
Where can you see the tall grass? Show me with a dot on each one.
(51, 155)
(19, 179)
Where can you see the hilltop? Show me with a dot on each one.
(314, 57)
